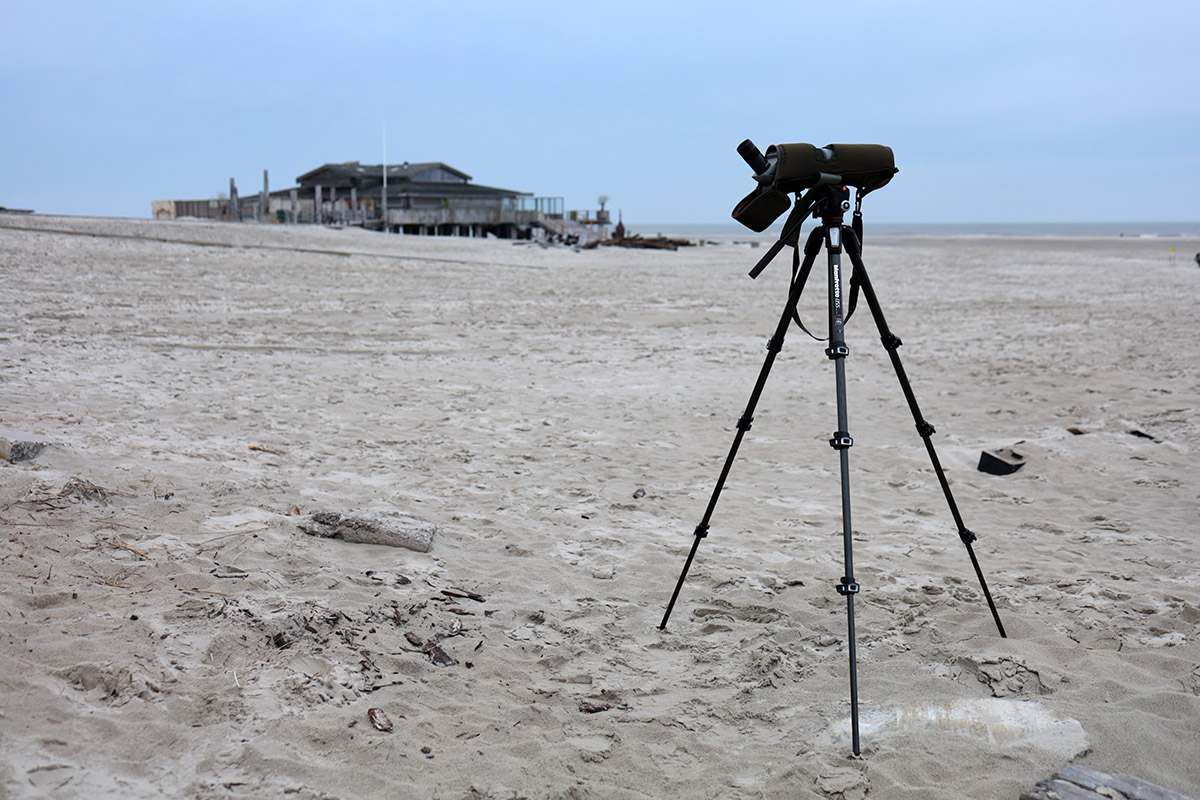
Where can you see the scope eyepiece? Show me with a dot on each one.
(753, 156)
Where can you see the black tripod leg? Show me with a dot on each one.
(891, 343)
(811, 248)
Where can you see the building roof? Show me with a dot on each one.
(353, 173)
(432, 178)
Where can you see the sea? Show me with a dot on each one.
(730, 232)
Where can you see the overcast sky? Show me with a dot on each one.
(997, 112)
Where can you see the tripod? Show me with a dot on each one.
(828, 203)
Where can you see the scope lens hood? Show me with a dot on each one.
(866, 166)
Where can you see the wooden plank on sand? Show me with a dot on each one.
(1075, 782)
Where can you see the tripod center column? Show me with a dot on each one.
(838, 352)
(841, 441)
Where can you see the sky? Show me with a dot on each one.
(1018, 111)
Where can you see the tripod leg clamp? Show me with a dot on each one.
(774, 344)
(701, 531)
(847, 586)
(841, 440)
(837, 351)
(743, 424)
(891, 342)
(966, 536)
(925, 429)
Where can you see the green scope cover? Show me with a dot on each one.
(799, 166)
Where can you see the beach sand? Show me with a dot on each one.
(167, 630)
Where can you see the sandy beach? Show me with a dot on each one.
(168, 630)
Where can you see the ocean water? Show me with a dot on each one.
(725, 232)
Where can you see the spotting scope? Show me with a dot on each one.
(787, 168)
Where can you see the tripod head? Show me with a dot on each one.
(831, 203)
(794, 168)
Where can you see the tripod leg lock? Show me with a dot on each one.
(774, 344)
(891, 342)
(847, 586)
(702, 530)
(837, 351)
(744, 423)
(966, 536)
(925, 429)
(841, 440)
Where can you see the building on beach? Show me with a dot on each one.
(430, 198)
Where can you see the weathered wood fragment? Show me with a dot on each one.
(651, 243)
(391, 528)
(1077, 782)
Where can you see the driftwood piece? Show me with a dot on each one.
(391, 528)
(648, 243)
(1076, 782)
